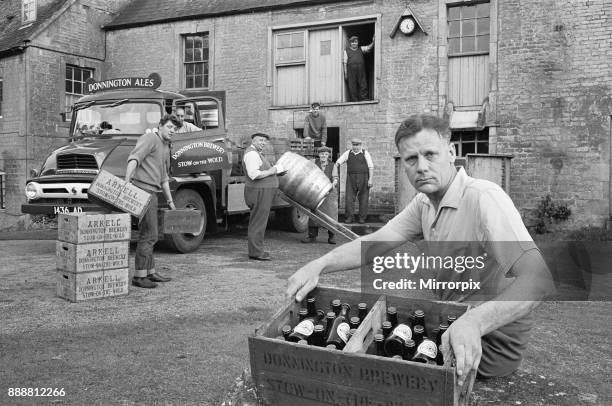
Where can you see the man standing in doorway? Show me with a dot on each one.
(355, 69)
(259, 191)
(359, 174)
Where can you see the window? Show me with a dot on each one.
(1, 97)
(196, 61)
(308, 64)
(470, 142)
(2, 190)
(468, 29)
(75, 86)
(28, 11)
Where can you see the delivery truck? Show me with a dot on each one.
(206, 171)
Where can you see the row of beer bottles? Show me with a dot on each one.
(332, 329)
(410, 340)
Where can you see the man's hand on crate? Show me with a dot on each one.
(462, 341)
(303, 281)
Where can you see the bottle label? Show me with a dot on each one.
(306, 327)
(343, 331)
(428, 348)
(403, 331)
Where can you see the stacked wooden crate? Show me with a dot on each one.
(92, 255)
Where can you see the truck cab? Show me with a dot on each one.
(205, 172)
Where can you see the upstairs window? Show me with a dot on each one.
(195, 61)
(470, 142)
(28, 11)
(309, 64)
(468, 29)
(75, 86)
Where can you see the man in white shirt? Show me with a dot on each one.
(260, 188)
(359, 174)
(186, 127)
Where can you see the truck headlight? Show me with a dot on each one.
(33, 190)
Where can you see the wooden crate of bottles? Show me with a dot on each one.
(309, 374)
(302, 146)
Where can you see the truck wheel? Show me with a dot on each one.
(183, 243)
(294, 220)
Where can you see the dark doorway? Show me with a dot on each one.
(365, 32)
(333, 141)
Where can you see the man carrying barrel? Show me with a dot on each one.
(259, 191)
(491, 337)
(329, 206)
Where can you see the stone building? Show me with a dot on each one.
(520, 78)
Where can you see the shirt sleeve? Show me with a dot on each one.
(335, 172)
(252, 162)
(143, 148)
(344, 57)
(343, 158)
(408, 223)
(502, 228)
(368, 159)
(367, 48)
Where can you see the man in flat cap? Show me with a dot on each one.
(355, 69)
(359, 174)
(330, 204)
(259, 191)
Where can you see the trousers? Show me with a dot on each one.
(357, 187)
(259, 201)
(147, 237)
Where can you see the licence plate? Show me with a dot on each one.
(66, 209)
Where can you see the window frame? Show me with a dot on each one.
(72, 96)
(28, 11)
(2, 190)
(340, 24)
(476, 141)
(461, 36)
(204, 35)
(1, 95)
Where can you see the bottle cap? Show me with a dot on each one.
(419, 313)
(303, 310)
(286, 328)
(378, 337)
(418, 329)
(386, 324)
(319, 328)
(331, 315)
(354, 320)
(391, 310)
(409, 343)
(335, 302)
(444, 325)
(362, 306)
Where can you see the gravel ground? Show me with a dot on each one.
(184, 343)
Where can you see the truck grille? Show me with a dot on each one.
(76, 161)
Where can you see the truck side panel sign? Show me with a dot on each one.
(197, 156)
(152, 82)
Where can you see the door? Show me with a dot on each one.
(324, 66)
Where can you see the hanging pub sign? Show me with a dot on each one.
(151, 82)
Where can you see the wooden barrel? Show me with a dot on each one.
(304, 181)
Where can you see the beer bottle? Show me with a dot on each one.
(329, 320)
(336, 306)
(302, 314)
(317, 338)
(311, 306)
(379, 340)
(386, 328)
(394, 344)
(363, 310)
(338, 334)
(392, 316)
(354, 322)
(286, 331)
(409, 348)
(441, 331)
(426, 352)
(305, 328)
(419, 318)
(419, 333)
